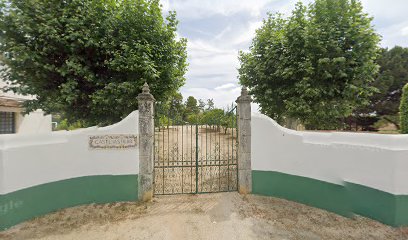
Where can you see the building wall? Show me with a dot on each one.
(34, 122)
(44, 172)
(346, 173)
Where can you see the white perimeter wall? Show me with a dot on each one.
(34, 122)
(375, 160)
(28, 160)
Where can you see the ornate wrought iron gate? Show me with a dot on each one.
(195, 154)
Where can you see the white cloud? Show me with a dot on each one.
(196, 9)
(394, 34)
(248, 35)
(226, 86)
(385, 11)
(223, 32)
(404, 31)
(223, 97)
(209, 65)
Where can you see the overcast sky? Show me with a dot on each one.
(217, 29)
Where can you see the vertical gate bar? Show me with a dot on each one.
(237, 142)
(182, 158)
(219, 155)
(191, 159)
(210, 154)
(206, 144)
(210, 143)
(228, 162)
(163, 163)
(177, 141)
(223, 152)
(168, 143)
(154, 151)
(172, 153)
(201, 160)
(206, 152)
(177, 144)
(173, 142)
(212, 157)
(196, 157)
(215, 159)
(232, 145)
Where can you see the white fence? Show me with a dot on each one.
(34, 164)
(376, 164)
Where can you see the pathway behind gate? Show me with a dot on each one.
(204, 216)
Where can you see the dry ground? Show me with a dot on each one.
(204, 216)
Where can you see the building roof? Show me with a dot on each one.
(10, 102)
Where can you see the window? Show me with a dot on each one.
(7, 122)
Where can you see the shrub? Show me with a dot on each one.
(404, 110)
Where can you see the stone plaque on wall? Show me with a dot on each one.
(113, 141)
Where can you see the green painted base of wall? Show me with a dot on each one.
(382, 206)
(343, 200)
(35, 201)
(308, 191)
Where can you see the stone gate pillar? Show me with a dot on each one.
(244, 142)
(146, 144)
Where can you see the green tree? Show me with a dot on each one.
(65, 125)
(404, 110)
(176, 107)
(230, 119)
(315, 66)
(210, 104)
(88, 59)
(392, 77)
(213, 117)
(191, 106)
(201, 105)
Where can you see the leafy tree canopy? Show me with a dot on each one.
(393, 75)
(191, 106)
(88, 59)
(315, 66)
(210, 104)
(390, 81)
(201, 105)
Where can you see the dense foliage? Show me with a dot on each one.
(315, 66)
(392, 77)
(87, 60)
(404, 110)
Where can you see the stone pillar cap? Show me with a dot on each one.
(244, 96)
(145, 94)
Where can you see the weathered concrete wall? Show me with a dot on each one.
(33, 123)
(342, 172)
(44, 172)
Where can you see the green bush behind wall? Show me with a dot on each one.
(404, 110)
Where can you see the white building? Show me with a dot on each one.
(12, 119)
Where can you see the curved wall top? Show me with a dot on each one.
(28, 160)
(375, 160)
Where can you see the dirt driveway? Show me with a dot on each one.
(204, 216)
